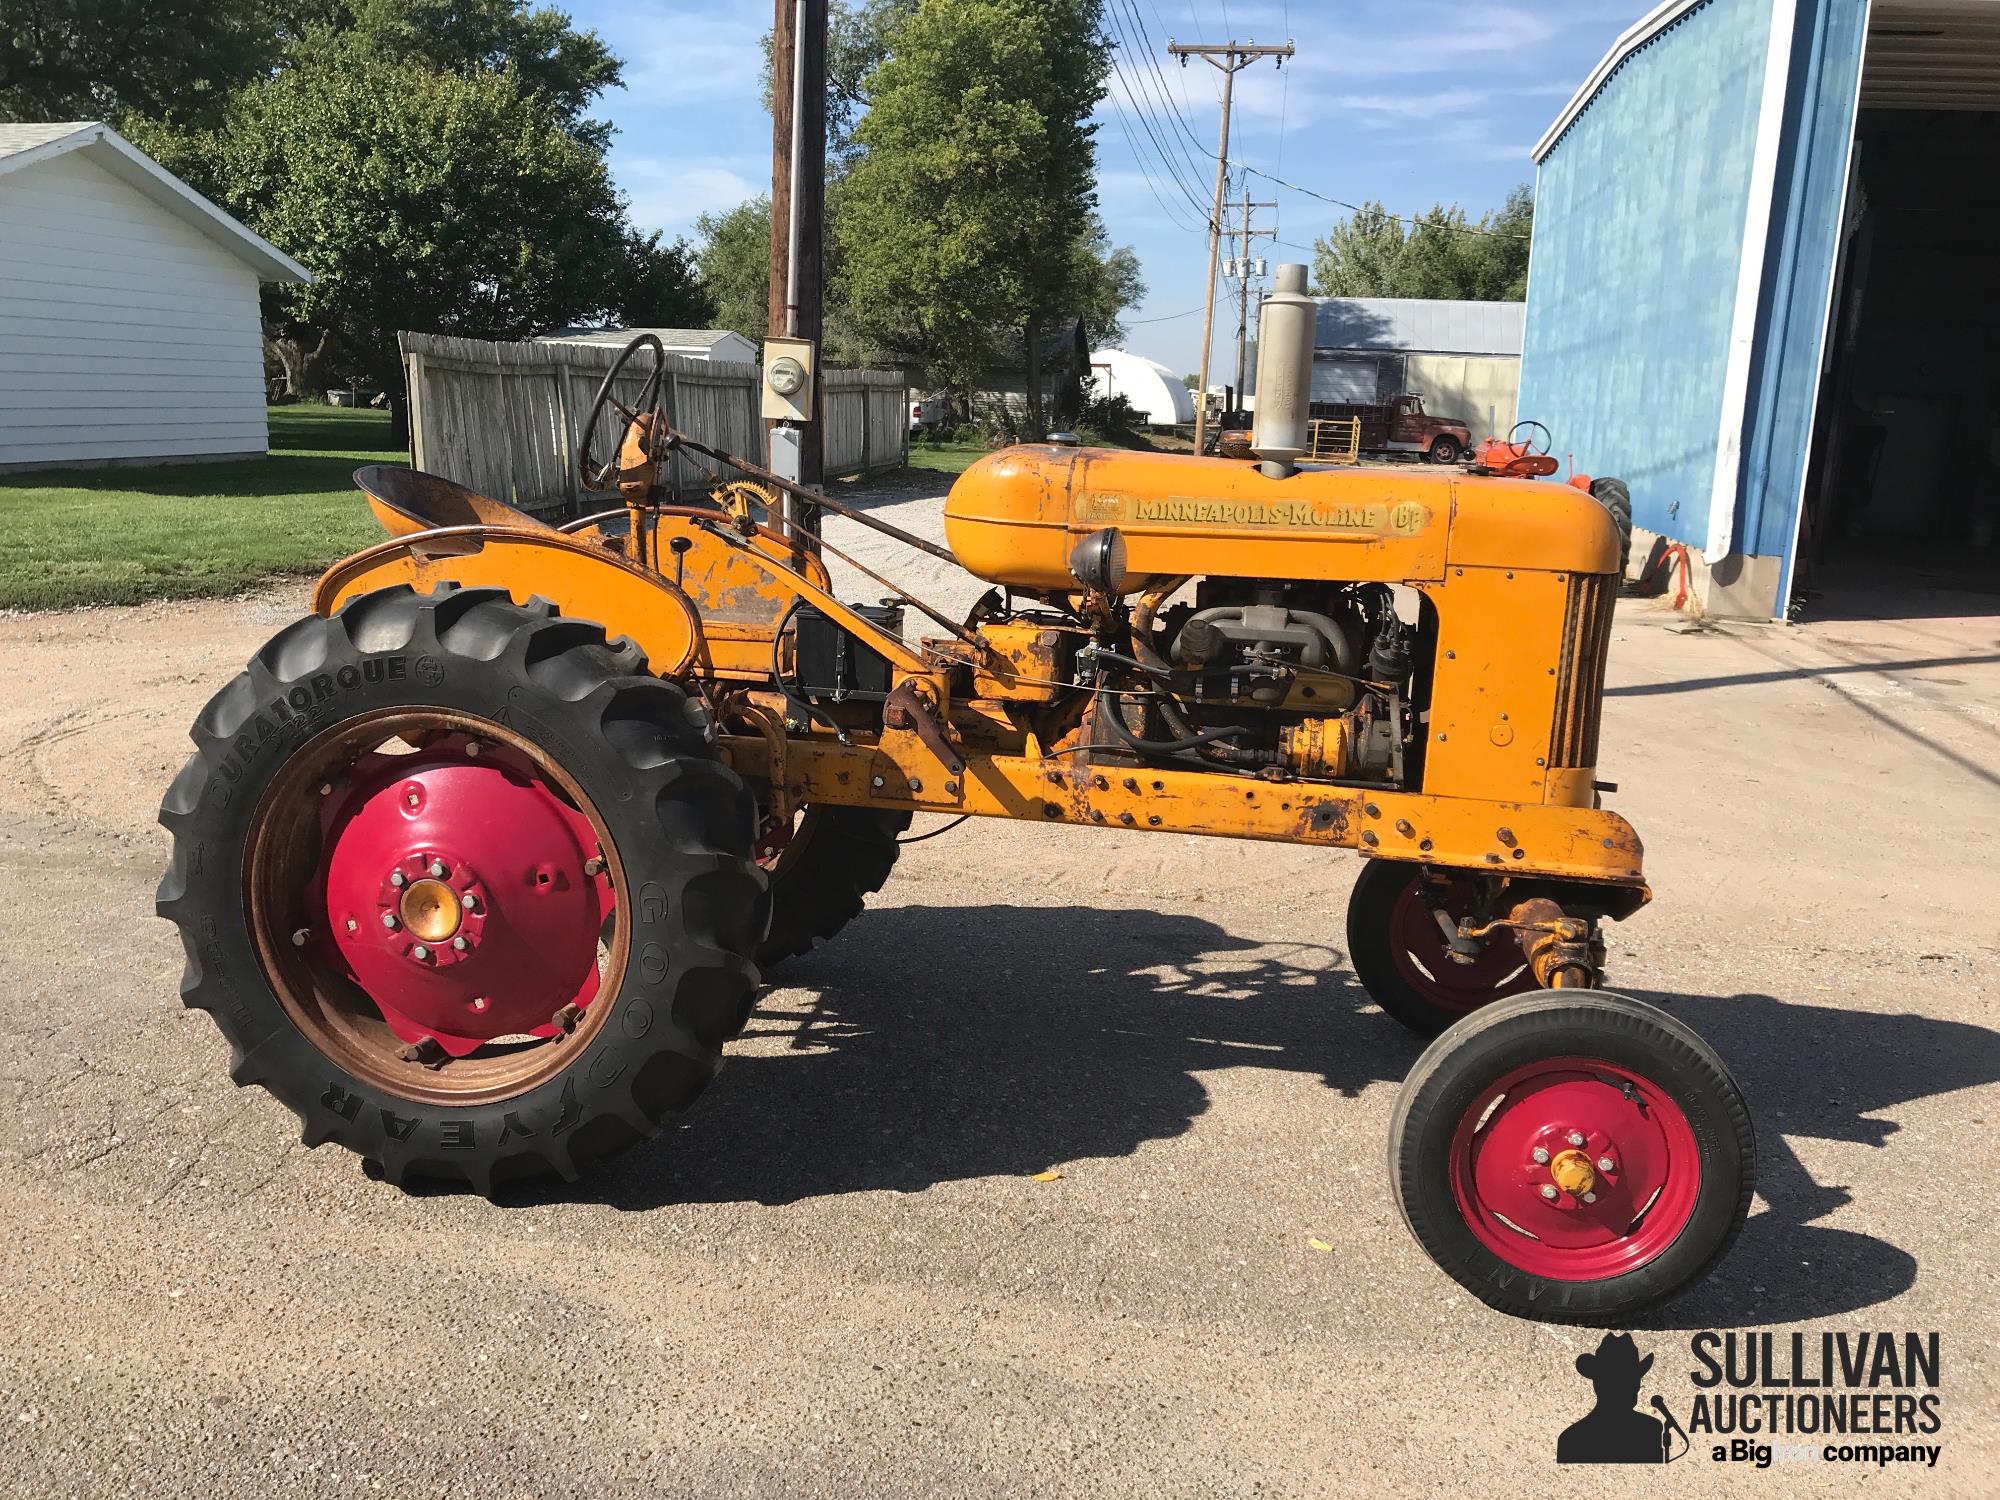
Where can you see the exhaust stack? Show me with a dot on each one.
(1286, 321)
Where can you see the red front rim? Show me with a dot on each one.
(1425, 961)
(1518, 1193)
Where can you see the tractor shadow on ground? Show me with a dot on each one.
(930, 1045)
(1817, 1072)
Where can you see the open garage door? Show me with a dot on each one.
(1903, 492)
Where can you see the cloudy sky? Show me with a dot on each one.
(1410, 102)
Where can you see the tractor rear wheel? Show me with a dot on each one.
(822, 870)
(1572, 1156)
(463, 887)
(1616, 498)
(1400, 954)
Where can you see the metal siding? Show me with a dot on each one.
(1640, 209)
(1435, 326)
(147, 342)
(1479, 390)
(1812, 182)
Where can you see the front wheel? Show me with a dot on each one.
(1403, 959)
(823, 866)
(1445, 450)
(1572, 1156)
(463, 887)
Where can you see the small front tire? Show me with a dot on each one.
(1491, 1178)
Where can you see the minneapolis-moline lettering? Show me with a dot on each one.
(1405, 519)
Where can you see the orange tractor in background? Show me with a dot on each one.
(1525, 455)
(479, 865)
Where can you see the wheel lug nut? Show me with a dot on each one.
(301, 937)
(459, 944)
(1604, 1164)
(396, 878)
(420, 951)
(469, 901)
(352, 924)
(1541, 1155)
(1590, 1197)
(1549, 1191)
(389, 920)
(1576, 1137)
(438, 869)
(411, 799)
(472, 747)
(593, 865)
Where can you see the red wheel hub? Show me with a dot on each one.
(463, 894)
(1425, 959)
(1575, 1169)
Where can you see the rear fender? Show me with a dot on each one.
(576, 575)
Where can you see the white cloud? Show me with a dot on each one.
(670, 193)
(675, 59)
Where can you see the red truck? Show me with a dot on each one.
(1401, 425)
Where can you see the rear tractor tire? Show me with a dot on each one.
(1400, 954)
(822, 874)
(463, 887)
(1572, 1156)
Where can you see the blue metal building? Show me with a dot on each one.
(1761, 292)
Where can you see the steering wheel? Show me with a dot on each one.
(1527, 444)
(600, 477)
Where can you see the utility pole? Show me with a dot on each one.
(1229, 58)
(798, 203)
(1243, 281)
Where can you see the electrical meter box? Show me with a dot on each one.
(788, 379)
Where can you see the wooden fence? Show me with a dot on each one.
(502, 418)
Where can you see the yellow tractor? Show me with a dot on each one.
(479, 865)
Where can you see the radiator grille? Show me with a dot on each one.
(1586, 642)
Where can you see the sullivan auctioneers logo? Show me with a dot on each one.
(1763, 1399)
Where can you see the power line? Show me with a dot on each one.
(1152, 183)
(1145, 122)
(1167, 318)
(1160, 80)
(1355, 208)
(1161, 112)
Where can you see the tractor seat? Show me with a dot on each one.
(408, 500)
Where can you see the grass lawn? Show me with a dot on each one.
(176, 531)
(946, 458)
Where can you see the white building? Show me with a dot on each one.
(717, 346)
(129, 322)
(1154, 390)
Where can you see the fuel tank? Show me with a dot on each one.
(1014, 516)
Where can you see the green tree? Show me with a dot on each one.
(1105, 282)
(660, 286)
(559, 65)
(1439, 254)
(735, 266)
(112, 59)
(973, 188)
(449, 202)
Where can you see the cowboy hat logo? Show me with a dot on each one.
(1614, 1431)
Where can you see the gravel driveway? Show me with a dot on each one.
(840, 1274)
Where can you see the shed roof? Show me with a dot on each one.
(1634, 38)
(671, 338)
(1418, 324)
(23, 146)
